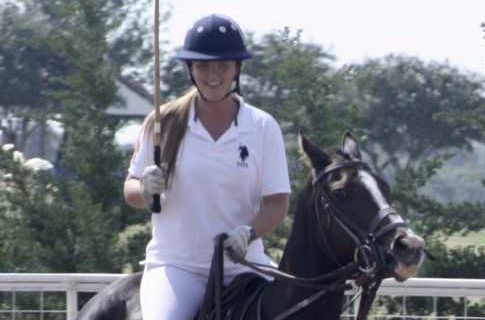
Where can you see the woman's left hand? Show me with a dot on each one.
(238, 240)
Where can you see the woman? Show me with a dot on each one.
(223, 169)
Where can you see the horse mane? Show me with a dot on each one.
(305, 207)
(302, 212)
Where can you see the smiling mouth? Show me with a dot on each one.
(214, 84)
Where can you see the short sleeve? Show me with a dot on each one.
(275, 167)
(142, 155)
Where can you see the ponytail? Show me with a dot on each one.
(173, 121)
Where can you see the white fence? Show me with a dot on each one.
(12, 285)
(43, 283)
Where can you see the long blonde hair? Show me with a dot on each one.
(173, 121)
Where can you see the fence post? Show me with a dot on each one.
(72, 303)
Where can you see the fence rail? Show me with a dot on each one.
(73, 284)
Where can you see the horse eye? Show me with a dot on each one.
(335, 176)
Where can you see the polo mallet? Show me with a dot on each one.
(156, 206)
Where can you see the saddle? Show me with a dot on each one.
(225, 302)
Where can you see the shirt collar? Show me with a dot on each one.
(245, 119)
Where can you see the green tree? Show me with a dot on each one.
(402, 101)
(294, 81)
(30, 69)
(73, 219)
(25, 69)
(49, 224)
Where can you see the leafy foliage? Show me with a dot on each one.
(69, 222)
(460, 262)
(51, 225)
(402, 103)
(294, 82)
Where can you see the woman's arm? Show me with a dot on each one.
(274, 209)
(132, 191)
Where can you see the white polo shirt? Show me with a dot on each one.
(217, 186)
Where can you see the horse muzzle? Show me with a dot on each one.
(406, 254)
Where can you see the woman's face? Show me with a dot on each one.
(214, 78)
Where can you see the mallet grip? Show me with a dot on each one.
(156, 204)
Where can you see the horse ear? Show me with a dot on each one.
(318, 159)
(350, 146)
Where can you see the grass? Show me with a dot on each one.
(471, 239)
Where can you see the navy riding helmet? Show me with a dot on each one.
(214, 37)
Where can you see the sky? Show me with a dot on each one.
(353, 30)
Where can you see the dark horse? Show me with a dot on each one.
(344, 228)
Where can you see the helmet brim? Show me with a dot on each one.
(187, 55)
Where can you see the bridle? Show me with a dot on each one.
(368, 253)
(367, 269)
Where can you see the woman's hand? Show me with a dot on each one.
(153, 181)
(238, 240)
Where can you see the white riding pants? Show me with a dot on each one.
(171, 293)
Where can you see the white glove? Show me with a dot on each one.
(238, 240)
(153, 181)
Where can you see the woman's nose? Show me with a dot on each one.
(214, 68)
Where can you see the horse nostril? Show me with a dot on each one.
(400, 244)
(408, 248)
(409, 242)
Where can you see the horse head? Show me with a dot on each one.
(355, 220)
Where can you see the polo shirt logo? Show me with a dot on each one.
(243, 154)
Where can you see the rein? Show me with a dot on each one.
(213, 297)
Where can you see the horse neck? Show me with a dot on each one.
(303, 258)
